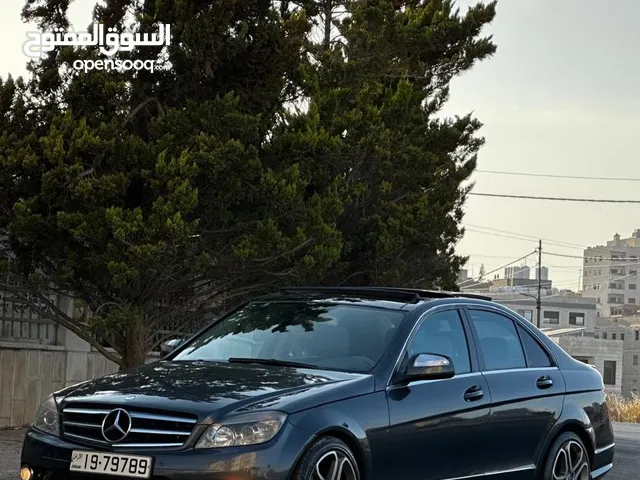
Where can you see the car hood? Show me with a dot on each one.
(206, 388)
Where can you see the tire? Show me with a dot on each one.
(323, 459)
(568, 459)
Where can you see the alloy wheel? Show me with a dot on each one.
(571, 462)
(334, 465)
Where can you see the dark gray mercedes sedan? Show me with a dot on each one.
(354, 383)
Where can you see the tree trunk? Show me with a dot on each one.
(328, 18)
(135, 347)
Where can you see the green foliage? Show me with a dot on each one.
(155, 198)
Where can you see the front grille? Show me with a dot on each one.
(149, 428)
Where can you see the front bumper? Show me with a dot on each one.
(49, 457)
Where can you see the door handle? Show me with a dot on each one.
(473, 393)
(544, 382)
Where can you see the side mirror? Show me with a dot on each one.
(170, 345)
(428, 366)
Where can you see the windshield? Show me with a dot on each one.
(349, 338)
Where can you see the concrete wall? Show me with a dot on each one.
(30, 372)
(38, 357)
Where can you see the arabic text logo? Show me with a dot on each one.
(39, 43)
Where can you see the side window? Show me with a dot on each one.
(536, 356)
(443, 333)
(500, 345)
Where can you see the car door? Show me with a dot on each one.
(438, 428)
(527, 392)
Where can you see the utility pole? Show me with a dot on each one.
(579, 278)
(539, 296)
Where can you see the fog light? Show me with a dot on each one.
(26, 473)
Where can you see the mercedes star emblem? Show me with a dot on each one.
(116, 425)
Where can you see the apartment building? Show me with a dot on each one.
(522, 272)
(544, 273)
(610, 275)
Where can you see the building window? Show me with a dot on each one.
(622, 336)
(551, 317)
(576, 318)
(637, 335)
(635, 359)
(528, 314)
(604, 335)
(616, 299)
(631, 300)
(633, 273)
(614, 336)
(632, 286)
(609, 376)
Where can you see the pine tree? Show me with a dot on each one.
(155, 198)
(374, 125)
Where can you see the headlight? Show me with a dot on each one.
(47, 419)
(251, 429)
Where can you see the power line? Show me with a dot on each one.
(480, 255)
(511, 263)
(557, 199)
(574, 177)
(536, 238)
(501, 267)
(499, 235)
(582, 257)
(557, 243)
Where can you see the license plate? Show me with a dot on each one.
(132, 466)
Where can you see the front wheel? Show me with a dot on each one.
(567, 460)
(328, 459)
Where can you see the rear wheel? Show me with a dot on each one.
(328, 459)
(567, 460)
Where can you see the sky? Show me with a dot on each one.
(560, 97)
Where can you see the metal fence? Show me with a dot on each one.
(20, 323)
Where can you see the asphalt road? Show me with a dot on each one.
(626, 467)
(626, 462)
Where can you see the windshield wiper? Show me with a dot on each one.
(271, 361)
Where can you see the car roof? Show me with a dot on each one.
(385, 297)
